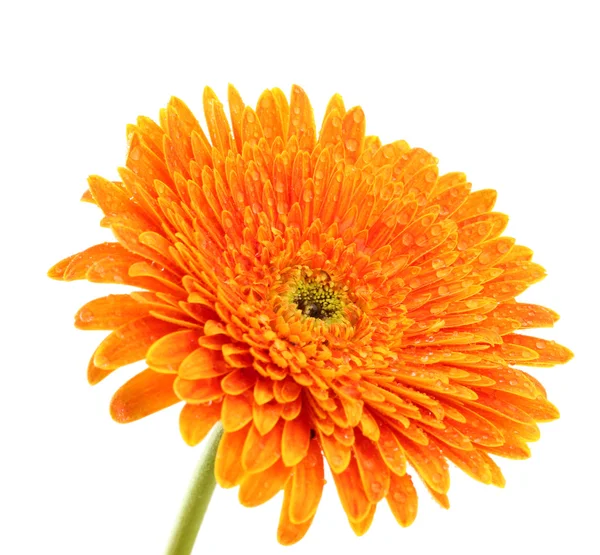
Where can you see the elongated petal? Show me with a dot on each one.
(289, 533)
(228, 462)
(195, 421)
(130, 342)
(307, 485)
(258, 488)
(146, 393)
(166, 354)
(108, 313)
(402, 499)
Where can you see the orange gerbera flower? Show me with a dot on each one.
(326, 299)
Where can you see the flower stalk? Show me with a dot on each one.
(197, 499)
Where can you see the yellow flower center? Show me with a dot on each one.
(317, 298)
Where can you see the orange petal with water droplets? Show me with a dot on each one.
(195, 421)
(374, 474)
(295, 441)
(258, 488)
(353, 133)
(391, 450)
(218, 126)
(440, 498)
(144, 394)
(429, 463)
(470, 462)
(497, 477)
(130, 342)
(261, 452)
(289, 533)
(549, 352)
(166, 354)
(307, 485)
(351, 492)
(478, 202)
(513, 448)
(302, 120)
(228, 462)
(236, 412)
(236, 109)
(402, 499)
(108, 313)
(76, 266)
(338, 455)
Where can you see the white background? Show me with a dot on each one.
(506, 92)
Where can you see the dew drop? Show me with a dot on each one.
(250, 117)
(485, 258)
(135, 153)
(503, 247)
(86, 315)
(407, 239)
(399, 497)
(352, 145)
(307, 196)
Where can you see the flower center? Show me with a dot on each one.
(315, 297)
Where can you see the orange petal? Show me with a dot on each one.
(76, 266)
(263, 391)
(108, 313)
(202, 364)
(353, 133)
(195, 421)
(402, 499)
(440, 498)
(351, 492)
(338, 455)
(198, 391)
(144, 394)
(228, 462)
(266, 416)
(258, 488)
(236, 412)
(238, 381)
(470, 462)
(361, 527)
(111, 197)
(289, 533)
(130, 342)
(96, 375)
(307, 485)
(166, 354)
(295, 441)
(549, 352)
(218, 126)
(236, 109)
(302, 120)
(374, 474)
(429, 463)
(261, 452)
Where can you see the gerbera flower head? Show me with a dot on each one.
(328, 298)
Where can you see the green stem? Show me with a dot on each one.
(197, 499)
